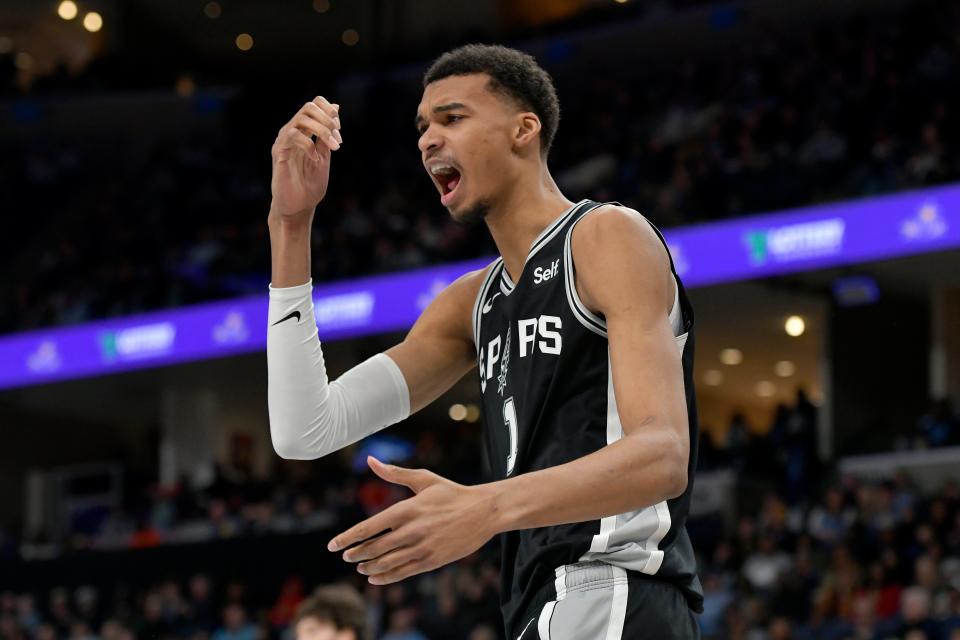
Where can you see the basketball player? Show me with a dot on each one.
(582, 337)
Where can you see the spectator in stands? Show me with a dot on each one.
(335, 612)
(403, 625)
(828, 523)
(235, 625)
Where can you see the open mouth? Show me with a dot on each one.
(447, 178)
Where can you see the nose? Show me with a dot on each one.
(429, 140)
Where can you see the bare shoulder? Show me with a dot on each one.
(610, 228)
(616, 244)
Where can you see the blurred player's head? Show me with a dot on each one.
(335, 612)
(487, 118)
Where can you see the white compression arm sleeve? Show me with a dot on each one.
(310, 418)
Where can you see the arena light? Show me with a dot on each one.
(321, 6)
(794, 326)
(473, 413)
(458, 412)
(212, 10)
(731, 356)
(351, 37)
(67, 10)
(713, 377)
(765, 389)
(244, 42)
(784, 368)
(93, 22)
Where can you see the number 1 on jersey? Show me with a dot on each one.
(510, 418)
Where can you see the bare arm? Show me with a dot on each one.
(439, 349)
(301, 174)
(289, 250)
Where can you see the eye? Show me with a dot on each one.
(451, 118)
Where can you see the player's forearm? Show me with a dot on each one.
(290, 251)
(632, 473)
(309, 416)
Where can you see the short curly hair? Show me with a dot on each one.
(513, 74)
(339, 604)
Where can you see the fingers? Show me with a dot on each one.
(309, 125)
(390, 562)
(414, 479)
(298, 139)
(402, 572)
(325, 113)
(389, 518)
(330, 109)
(325, 118)
(378, 546)
(291, 141)
(315, 128)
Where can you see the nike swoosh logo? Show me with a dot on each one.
(525, 628)
(293, 314)
(489, 304)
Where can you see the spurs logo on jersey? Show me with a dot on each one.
(554, 402)
(504, 364)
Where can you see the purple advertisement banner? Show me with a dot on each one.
(740, 249)
(343, 309)
(848, 232)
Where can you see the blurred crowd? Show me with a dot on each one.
(297, 497)
(817, 555)
(867, 561)
(458, 602)
(853, 109)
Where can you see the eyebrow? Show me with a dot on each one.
(440, 108)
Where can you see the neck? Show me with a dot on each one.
(525, 208)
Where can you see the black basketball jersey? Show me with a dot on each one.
(547, 394)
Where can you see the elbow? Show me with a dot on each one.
(287, 452)
(677, 483)
(290, 448)
(286, 449)
(676, 473)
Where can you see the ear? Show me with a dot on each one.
(527, 129)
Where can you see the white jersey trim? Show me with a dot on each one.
(543, 624)
(618, 604)
(658, 515)
(591, 320)
(540, 242)
(480, 297)
(587, 318)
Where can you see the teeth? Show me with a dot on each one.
(441, 169)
